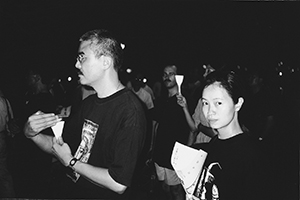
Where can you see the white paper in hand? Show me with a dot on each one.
(187, 163)
(179, 80)
(58, 128)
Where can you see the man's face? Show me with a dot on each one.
(169, 77)
(89, 66)
(32, 79)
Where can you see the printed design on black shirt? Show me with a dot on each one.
(206, 188)
(89, 130)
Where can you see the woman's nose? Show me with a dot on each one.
(211, 110)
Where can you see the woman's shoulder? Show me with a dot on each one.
(202, 146)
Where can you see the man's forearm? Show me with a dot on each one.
(99, 176)
(189, 120)
(44, 142)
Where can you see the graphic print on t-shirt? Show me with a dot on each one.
(89, 130)
(206, 187)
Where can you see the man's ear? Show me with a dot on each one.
(239, 104)
(107, 62)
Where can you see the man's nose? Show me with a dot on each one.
(77, 64)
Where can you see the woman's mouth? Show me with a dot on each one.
(212, 121)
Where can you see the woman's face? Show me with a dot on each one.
(218, 107)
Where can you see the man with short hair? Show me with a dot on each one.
(102, 141)
(174, 120)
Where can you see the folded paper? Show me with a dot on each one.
(188, 163)
(58, 128)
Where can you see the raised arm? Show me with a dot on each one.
(183, 103)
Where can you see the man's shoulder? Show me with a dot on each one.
(129, 99)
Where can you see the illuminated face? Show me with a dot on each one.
(169, 77)
(218, 107)
(90, 67)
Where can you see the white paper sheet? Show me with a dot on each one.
(187, 163)
(58, 128)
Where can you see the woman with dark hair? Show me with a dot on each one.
(233, 169)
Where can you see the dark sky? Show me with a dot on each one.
(156, 33)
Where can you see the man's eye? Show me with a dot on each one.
(81, 58)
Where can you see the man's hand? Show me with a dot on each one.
(62, 151)
(181, 101)
(38, 122)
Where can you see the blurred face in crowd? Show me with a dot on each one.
(169, 76)
(32, 79)
(90, 67)
(219, 108)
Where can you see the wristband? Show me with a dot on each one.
(72, 162)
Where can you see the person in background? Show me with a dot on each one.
(173, 117)
(145, 86)
(138, 87)
(38, 95)
(6, 181)
(234, 167)
(101, 143)
(261, 108)
(33, 179)
(157, 89)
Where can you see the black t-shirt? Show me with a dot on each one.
(108, 133)
(172, 127)
(234, 169)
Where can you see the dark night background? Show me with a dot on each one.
(186, 33)
(252, 35)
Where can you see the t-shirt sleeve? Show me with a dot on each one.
(128, 146)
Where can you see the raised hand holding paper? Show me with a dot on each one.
(187, 163)
(179, 80)
(58, 128)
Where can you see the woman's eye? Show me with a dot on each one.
(204, 103)
(219, 103)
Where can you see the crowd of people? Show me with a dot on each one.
(115, 129)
